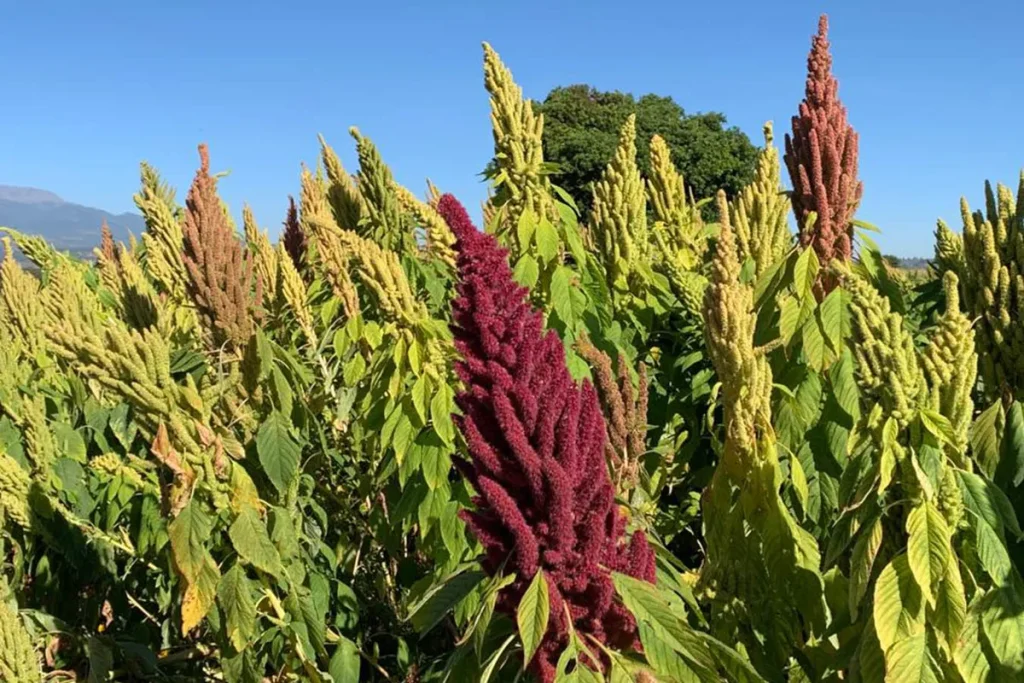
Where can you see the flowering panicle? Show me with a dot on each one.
(318, 224)
(677, 219)
(20, 294)
(107, 247)
(36, 249)
(439, 237)
(888, 371)
(536, 444)
(222, 282)
(293, 238)
(18, 662)
(518, 151)
(163, 239)
(821, 156)
(262, 253)
(619, 215)
(625, 413)
(382, 220)
(760, 211)
(988, 258)
(678, 235)
(343, 194)
(14, 488)
(950, 364)
(744, 514)
(293, 291)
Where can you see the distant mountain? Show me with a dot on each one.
(67, 226)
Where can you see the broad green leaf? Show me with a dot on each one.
(886, 467)
(978, 499)
(373, 335)
(663, 658)
(547, 240)
(526, 271)
(561, 293)
(950, 603)
(278, 452)
(908, 661)
(805, 273)
(664, 614)
(70, 443)
(789, 317)
(492, 662)
(928, 547)
(862, 562)
(453, 530)
(345, 662)
(845, 386)
(354, 370)
(526, 226)
(899, 605)
(235, 597)
(1002, 623)
(421, 397)
(938, 425)
(415, 357)
(833, 312)
(307, 623)
(992, 552)
(814, 340)
(970, 658)
(738, 668)
(189, 532)
(985, 437)
(441, 598)
(252, 542)
(441, 406)
(101, 660)
(532, 615)
(796, 471)
(1010, 472)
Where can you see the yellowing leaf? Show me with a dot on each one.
(199, 596)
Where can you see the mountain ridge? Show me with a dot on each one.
(66, 225)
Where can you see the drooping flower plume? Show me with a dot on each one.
(536, 456)
(821, 155)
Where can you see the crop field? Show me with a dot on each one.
(651, 437)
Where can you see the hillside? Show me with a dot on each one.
(67, 225)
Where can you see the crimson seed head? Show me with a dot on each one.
(536, 456)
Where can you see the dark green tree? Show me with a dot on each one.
(581, 128)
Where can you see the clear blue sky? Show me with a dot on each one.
(91, 88)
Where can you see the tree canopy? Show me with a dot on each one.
(581, 126)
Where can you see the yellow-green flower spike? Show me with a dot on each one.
(759, 212)
(518, 147)
(619, 216)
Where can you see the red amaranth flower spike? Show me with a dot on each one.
(821, 156)
(536, 456)
(293, 237)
